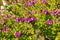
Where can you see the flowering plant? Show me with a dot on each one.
(29, 19)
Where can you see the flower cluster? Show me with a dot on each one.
(29, 19)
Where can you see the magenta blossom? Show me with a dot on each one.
(27, 19)
(48, 21)
(44, 1)
(9, 15)
(31, 2)
(1, 14)
(17, 34)
(5, 29)
(25, 4)
(45, 11)
(52, 12)
(18, 19)
(56, 11)
(2, 19)
(33, 18)
(1, 3)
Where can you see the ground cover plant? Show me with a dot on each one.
(29, 19)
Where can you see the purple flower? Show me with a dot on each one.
(19, 19)
(25, 4)
(48, 21)
(17, 34)
(31, 2)
(44, 1)
(1, 3)
(56, 11)
(45, 11)
(33, 18)
(1, 14)
(2, 19)
(52, 12)
(5, 29)
(27, 19)
(9, 15)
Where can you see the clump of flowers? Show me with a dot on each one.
(29, 19)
